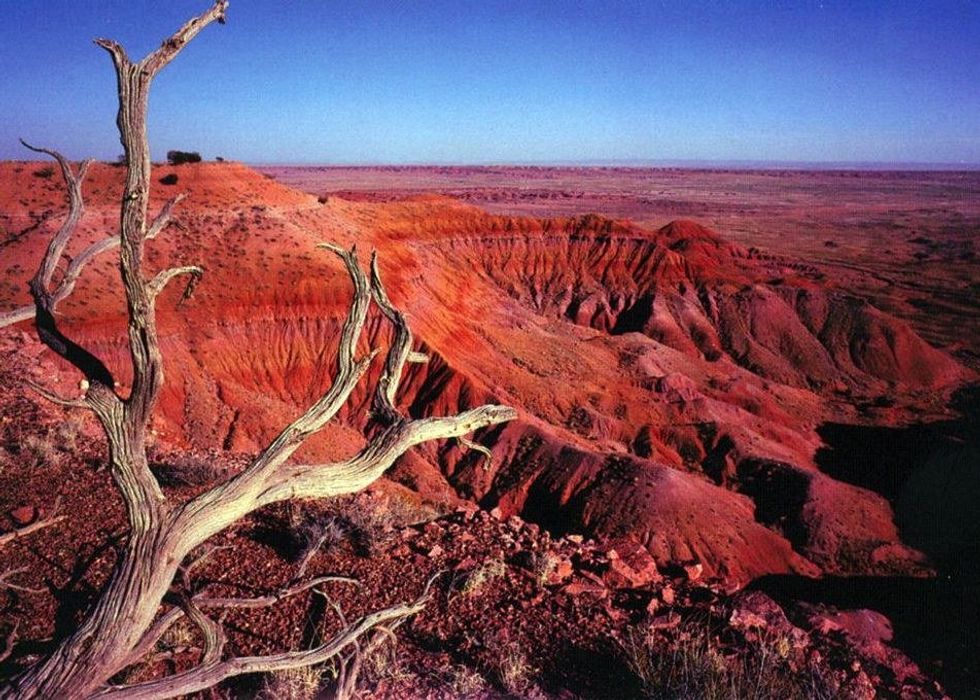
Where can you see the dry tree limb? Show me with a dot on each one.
(66, 285)
(9, 643)
(54, 398)
(125, 623)
(208, 675)
(157, 284)
(5, 576)
(5, 583)
(351, 662)
(169, 618)
(383, 406)
(477, 447)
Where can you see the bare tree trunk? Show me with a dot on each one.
(101, 645)
(126, 621)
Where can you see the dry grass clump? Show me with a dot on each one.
(380, 663)
(510, 667)
(543, 565)
(465, 681)
(38, 450)
(291, 684)
(692, 667)
(473, 581)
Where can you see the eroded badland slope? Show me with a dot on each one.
(671, 385)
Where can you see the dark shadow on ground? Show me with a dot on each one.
(936, 620)
(931, 475)
(929, 472)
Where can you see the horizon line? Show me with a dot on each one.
(643, 163)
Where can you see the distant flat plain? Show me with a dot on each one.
(907, 240)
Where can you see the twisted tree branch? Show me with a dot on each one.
(210, 674)
(77, 264)
(383, 406)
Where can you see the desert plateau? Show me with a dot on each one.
(448, 431)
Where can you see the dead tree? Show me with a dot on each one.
(129, 616)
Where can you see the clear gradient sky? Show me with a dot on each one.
(501, 81)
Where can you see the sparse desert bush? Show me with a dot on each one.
(511, 667)
(370, 520)
(473, 581)
(692, 667)
(311, 531)
(186, 470)
(181, 157)
(543, 565)
(365, 521)
(292, 684)
(465, 681)
(44, 173)
(170, 179)
(38, 450)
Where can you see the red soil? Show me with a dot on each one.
(668, 381)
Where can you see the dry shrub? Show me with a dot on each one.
(692, 667)
(543, 565)
(291, 684)
(38, 450)
(510, 666)
(187, 470)
(312, 530)
(369, 519)
(473, 581)
(465, 682)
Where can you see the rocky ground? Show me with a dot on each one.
(515, 612)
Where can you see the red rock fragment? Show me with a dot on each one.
(24, 515)
(693, 571)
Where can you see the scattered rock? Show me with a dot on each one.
(576, 589)
(693, 571)
(562, 572)
(24, 515)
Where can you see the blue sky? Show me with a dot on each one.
(433, 81)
